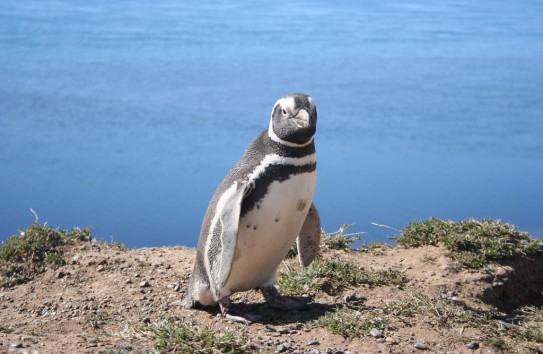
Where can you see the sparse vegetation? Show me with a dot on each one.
(447, 313)
(352, 323)
(340, 240)
(187, 336)
(473, 243)
(106, 295)
(334, 275)
(29, 253)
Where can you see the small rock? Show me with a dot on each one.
(146, 320)
(100, 268)
(376, 333)
(473, 345)
(60, 274)
(391, 340)
(281, 348)
(421, 346)
(313, 342)
(380, 340)
(144, 284)
(16, 345)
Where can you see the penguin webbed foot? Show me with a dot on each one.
(227, 312)
(282, 302)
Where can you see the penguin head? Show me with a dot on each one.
(293, 120)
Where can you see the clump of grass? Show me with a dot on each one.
(473, 243)
(5, 329)
(333, 275)
(352, 323)
(187, 336)
(374, 246)
(29, 253)
(447, 313)
(340, 240)
(337, 240)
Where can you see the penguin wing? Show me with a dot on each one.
(229, 217)
(308, 240)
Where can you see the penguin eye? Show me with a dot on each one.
(284, 111)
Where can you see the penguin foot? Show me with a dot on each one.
(281, 302)
(246, 319)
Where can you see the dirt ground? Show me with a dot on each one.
(103, 297)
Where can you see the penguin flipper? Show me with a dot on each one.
(229, 218)
(308, 241)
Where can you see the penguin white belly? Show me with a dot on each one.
(267, 232)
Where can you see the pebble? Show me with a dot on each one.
(391, 340)
(313, 342)
(146, 320)
(473, 345)
(282, 348)
(380, 340)
(376, 333)
(16, 345)
(144, 284)
(421, 346)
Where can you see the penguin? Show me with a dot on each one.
(263, 205)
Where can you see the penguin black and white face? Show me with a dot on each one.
(293, 120)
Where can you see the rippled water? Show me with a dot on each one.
(126, 115)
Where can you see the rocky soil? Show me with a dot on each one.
(105, 296)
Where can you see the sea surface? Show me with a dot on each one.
(125, 115)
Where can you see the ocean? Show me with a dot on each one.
(126, 115)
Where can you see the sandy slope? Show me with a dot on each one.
(102, 298)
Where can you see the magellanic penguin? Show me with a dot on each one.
(263, 205)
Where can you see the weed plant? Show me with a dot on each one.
(187, 336)
(334, 275)
(473, 243)
(33, 250)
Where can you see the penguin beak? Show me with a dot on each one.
(301, 119)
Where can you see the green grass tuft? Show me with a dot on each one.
(187, 336)
(352, 323)
(340, 240)
(447, 313)
(39, 246)
(334, 275)
(473, 243)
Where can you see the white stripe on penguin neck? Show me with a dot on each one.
(274, 159)
(274, 137)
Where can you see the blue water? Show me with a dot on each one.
(126, 115)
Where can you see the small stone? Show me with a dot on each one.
(281, 348)
(60, 274)
(380, 340)
(313, 342)
(144, 284)
(100, 268)
(473, 345)
(146, 320)
(391, 340)
(421, 346)
(16, 345)
(375, 333)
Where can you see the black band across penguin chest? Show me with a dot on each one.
(273, 173)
